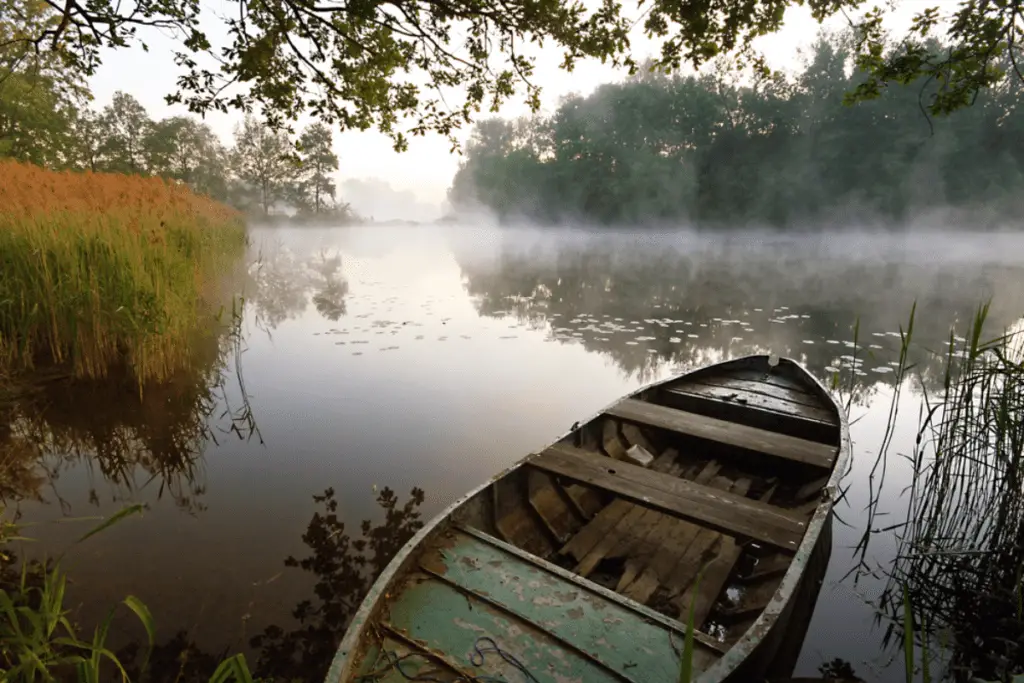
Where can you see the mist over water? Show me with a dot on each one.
(433, 357)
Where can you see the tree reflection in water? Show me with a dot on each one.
(696, 301)
(282, 283)
(136, 437)
(345, 569)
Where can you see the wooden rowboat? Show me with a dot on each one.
(710, 491)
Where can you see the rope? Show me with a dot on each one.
(476, 658)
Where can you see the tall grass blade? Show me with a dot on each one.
(233, 669)
(121, 514)
(686, 660)
(959, 558)
(908, 637)
(142, 612)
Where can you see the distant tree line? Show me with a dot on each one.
(45, 119)
(781, 149)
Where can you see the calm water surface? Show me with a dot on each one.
(390, 370)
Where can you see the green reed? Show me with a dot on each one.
(960, 557)
(101, 270)
(40, 642)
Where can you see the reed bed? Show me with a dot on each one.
(955, 589)
(102, 269)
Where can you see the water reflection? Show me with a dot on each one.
(669, 300)
(345, 569)
(131, 437)
(283, 282)
(344, 566)
(433, 359)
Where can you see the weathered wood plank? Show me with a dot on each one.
(722, 431)
(622, 534)
(635, 437)
(814, 412)
(584, 541)
(778, 378)
(628, 533)
(586, 501)
(607, 519)
(643, 575)
(552, 508)
(658, 533)
(514, 519)
(723, 407)
(684, 574)
(523, 529)
(810, 490)
(612, 441)
(702, 597)
(784, 397)
(729, 513)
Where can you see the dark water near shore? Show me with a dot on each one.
(421, 358)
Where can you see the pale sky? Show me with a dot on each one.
(428, 166)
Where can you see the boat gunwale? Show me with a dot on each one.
(341, 667)
(748, 642)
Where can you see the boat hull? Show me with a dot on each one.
(486, 521)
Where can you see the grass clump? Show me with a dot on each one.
(102, 269)
(954, 593)
(39, 641)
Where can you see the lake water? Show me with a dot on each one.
(424, 360)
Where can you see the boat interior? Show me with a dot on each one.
(684, 503)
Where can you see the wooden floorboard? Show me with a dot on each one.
(625, 537)
(611, 440)
(605, 521)
(580, 545)
(635, 437)
(560, 519)
(642, 610)
(728, 513)
(708, 543)
(643, 575)
(701, 597)
(722, 431)
(657, 536)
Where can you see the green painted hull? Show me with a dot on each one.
(471, 595)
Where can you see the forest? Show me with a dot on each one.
(262, 172)
(721, 149)
(47, 118)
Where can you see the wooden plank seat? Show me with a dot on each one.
(722, 431)
(784, 396)
(785, 380)
(753, 410)
(715, 509)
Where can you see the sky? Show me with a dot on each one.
(426, 169)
